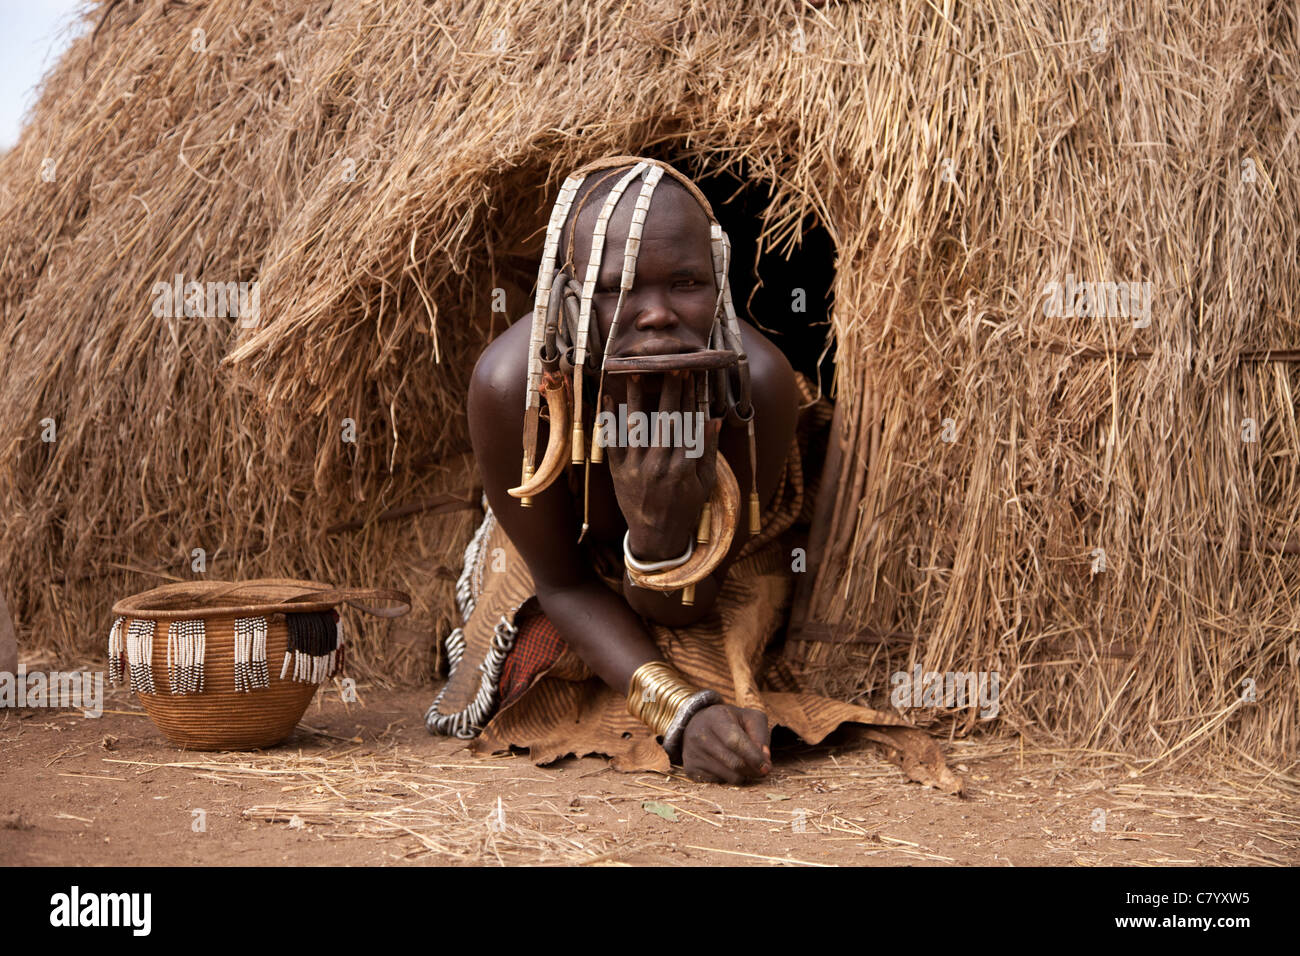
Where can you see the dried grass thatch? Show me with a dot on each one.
(961, 156)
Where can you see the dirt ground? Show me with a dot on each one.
(365, 784)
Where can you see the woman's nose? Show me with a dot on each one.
(654, 313)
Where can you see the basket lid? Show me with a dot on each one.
(260, 596)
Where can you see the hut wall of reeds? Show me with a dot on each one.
(1096, 503)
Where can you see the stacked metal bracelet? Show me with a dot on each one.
(660, 697)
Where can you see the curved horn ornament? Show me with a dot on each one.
(723, 509)
(553, 387)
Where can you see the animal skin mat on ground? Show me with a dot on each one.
(551, 703)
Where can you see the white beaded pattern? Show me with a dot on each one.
(250, 654)
(139, 655)
(186, 650)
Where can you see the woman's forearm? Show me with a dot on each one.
(666, 607)
(601, 629)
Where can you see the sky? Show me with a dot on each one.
(33, 34)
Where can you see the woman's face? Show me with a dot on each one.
(670, 306)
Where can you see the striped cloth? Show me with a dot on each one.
(550, 702)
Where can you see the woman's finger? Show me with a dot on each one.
(755, 724)
(720, 769)
(699, 775)
(690, 401)
(634, 394)
(635, 403)
(707, 466)
(615, 452)
(670, 393)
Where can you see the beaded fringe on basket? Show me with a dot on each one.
(315, 649)
(186, 647)
(139, 655)
(250, 654)
(115, 653)
(315, 652)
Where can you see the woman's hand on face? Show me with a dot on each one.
(661, 491)
(725, 744)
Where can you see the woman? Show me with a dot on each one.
(566, 647)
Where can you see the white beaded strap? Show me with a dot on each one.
(719, 253)
(467, 724)
(593, 263)
(729, 309)
(545, 276)
(645, 567)
(470, 581)
(578, 451)
(631, 251)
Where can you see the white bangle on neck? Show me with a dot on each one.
(646, 567)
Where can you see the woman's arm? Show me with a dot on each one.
(593, 620)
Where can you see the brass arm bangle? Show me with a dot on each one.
(662, 699)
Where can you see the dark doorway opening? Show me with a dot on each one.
(769, 290)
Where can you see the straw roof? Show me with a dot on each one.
(382, 169)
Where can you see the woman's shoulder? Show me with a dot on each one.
(499, 379)
(771, 376)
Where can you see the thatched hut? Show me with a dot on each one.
(1090, 493)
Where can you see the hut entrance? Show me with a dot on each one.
(788, 299)
(786, 292)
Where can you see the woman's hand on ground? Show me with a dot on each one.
(725, 744)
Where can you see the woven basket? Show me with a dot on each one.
(219, 716)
